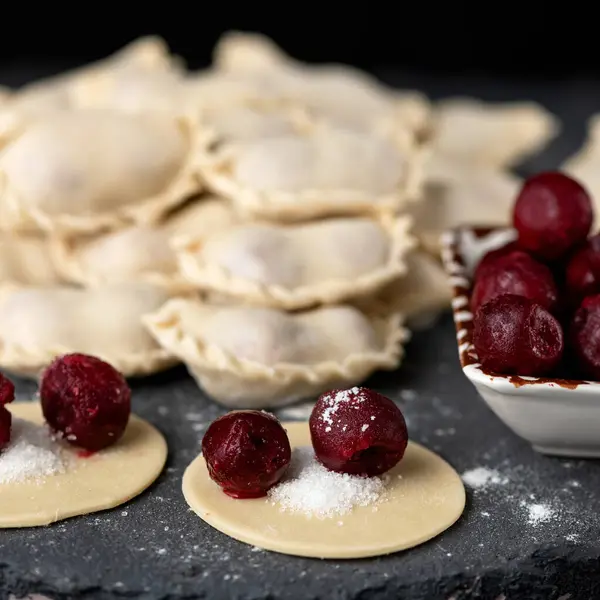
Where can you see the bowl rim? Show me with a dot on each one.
(460, 284)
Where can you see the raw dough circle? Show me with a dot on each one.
(426, 500)
(102, 481)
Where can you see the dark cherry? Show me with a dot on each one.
(7, 395)
(513, 335)
(246, 452)
(552, 214)
(357, 431)
(86, 400)
(516, 273)
(583, 271)
(490, 257)
(585, 336)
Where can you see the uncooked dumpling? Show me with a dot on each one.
(497, 135)
(37, 324)
(243, 52)
(456, 194)
(140, 252)
(25, 259)
(217, 90)
(341, 94)
(134, 90)
(421, 295)
(44, 97)
(96, 170)
(148, 53)
(326, 172)
(248, 122)
(345, 97)
(17, 115)
(298, 266)
(258, 357)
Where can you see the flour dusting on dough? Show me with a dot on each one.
(31, 454)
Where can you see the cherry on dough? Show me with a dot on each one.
(86, 400)
(424, 496)
(7, 395)
(247, 452)
(104, 480)
(357, 431)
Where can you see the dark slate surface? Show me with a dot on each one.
(154, 547)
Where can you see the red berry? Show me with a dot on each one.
(583, 271)
(514, 336)
(585, 336)
(552, 214)
(357, 431)
(5, 427)
(246, 452)
(7, 395)
(86, 400)
(516, 273)
(490, 258)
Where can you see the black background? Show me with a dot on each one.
(527, 39)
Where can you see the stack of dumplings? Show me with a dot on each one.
(272, 225)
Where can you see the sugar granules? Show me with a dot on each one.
(30, 454)
(514, 486)
(483, 478)
(313, 490)
(538, 513)
(333, 402)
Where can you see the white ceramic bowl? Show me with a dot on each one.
(557, 416)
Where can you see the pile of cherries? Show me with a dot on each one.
(248, 451)
(536, 300)
(84, 400)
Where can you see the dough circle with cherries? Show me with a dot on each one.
(424, 497)
(94, 483)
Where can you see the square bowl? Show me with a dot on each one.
(559, 417)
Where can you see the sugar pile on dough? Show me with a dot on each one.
(31, 454)
(313, 490)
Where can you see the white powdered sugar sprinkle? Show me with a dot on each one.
(525, 493)
(538, 513)
(313, 490)
(333, 401)
(482, 477)
(30, 454)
